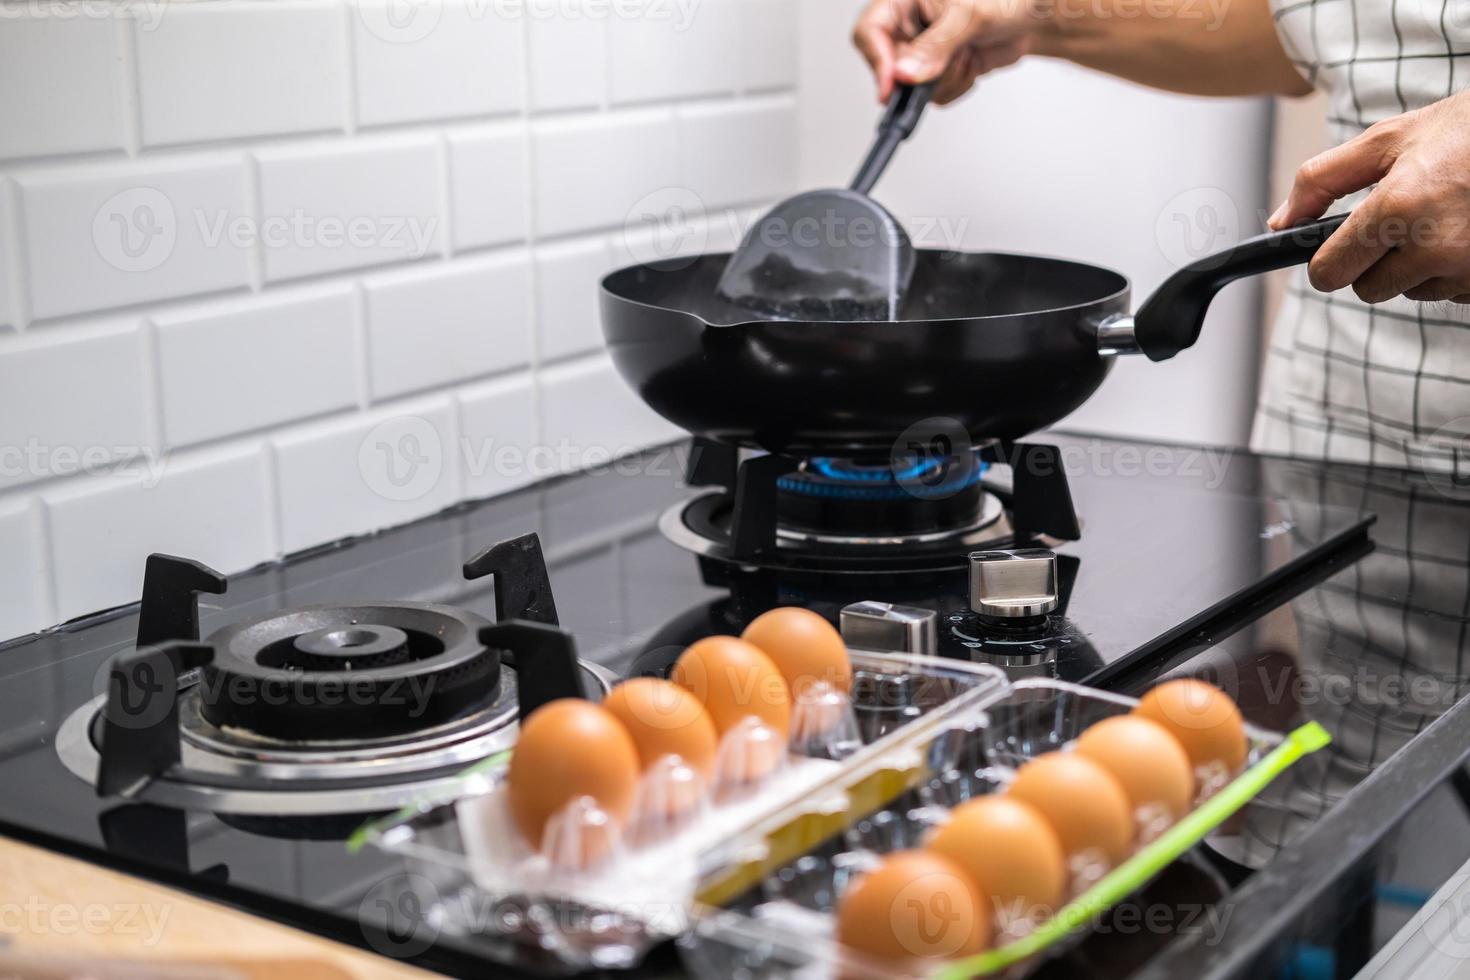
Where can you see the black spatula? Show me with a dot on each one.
(832, 254)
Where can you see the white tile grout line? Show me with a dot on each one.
(152, 368)
(41, 535)
(255, 255)
(460, 476)
(742, 14)
(15, 267)
(446, 198)
(274, 509)
(130, 87)
(605, 36)
(10, 247)
(349, 69)
(362, 352)
(528, 199)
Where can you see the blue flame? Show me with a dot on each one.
(857, 482)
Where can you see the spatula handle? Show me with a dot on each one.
(898, 122)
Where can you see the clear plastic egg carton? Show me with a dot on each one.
(476, 880)
(770, 910)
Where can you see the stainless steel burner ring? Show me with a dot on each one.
(249, 775)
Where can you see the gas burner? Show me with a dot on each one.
(861, 516)
(325, 710)
(355, 671)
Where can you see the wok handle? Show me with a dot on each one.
(905, 106)
(1170, 319)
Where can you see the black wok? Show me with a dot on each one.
(997, 344)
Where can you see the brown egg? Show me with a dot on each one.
(568, 749)
(664, 719)
(915, 905)
(734, 680)
(804, 647)
(1145, 759)
(1202, 717)
(1009, 850)
(1082, 802)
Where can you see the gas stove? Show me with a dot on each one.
(351, 679)
(331, 712)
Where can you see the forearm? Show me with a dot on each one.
(1199, 47)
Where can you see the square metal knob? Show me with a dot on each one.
(1019, 584)
(882, 626)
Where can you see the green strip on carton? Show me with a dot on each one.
(1132, 874)
(365, 833)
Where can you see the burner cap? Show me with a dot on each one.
(358, 671)
(343, 648)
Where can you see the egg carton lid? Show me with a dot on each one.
(873, 783)
(977, 685)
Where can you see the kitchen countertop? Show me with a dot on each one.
(1373, 646)
(63, 917)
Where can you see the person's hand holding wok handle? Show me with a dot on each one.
(1411, 235)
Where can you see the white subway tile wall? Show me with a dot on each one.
(715, 161)
(566, 309)
(227, 70)
(440, 323)
(240, 365)
(24, 575)
(276, 272)
(73, 111)
(693, 50)
(585, 418)
(327, 208)
(497, 433)
(73, 401)
(99, 236)
(768, 45)
(403, 464)
(590, 170)
(447, 60)
(557, 42)
(214, 506)
(487, 185)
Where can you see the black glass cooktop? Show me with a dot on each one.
(1180, 549)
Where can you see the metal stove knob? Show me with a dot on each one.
(1014, 585)
(885, 627)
